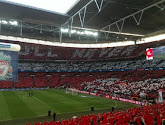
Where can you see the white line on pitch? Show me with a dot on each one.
(39, 100)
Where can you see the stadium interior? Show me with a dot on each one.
(87, 62)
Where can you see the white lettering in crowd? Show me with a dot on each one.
(26, 52)
(78, 53)
(104, 51)
(90, 53)
(36, 52)
(114, 52)
(50, 53)
(128, 51)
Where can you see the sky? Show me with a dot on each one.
(60, 6)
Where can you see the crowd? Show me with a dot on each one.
(90, 66)
(126, 84)
(31, 51)
(126, 88)
(124, 79)
(145, 115)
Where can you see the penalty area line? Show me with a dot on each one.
(38, 100)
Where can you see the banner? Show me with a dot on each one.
(8, 65)
(149, 54)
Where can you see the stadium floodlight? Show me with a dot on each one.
(4, 22)
(64, 30)
(55, 6)
(90, 33)
(87, 32)
(78, 32)
(82, 33)
(73, 31)
(15, 23)
(95, 34)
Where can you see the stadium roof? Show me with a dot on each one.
(88, 21)
(55, 6)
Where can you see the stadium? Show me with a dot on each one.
(82, 62)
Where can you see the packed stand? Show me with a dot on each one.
(40, 80)
(6, 85)
(24, 81)
(126, 84)
(90, 66)
(31, 51)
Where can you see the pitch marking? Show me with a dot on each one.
(39, 100)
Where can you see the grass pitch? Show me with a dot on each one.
(16, 105)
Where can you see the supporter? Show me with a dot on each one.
(90, 66)
(163, 122)
(54, 116)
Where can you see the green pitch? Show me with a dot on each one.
(18, 104)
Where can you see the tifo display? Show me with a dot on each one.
(9, 62)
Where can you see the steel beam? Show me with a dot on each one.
(83, 9)
(60, 36)
(161, 8)
(0, 26)
(79, 11)
(132, 15)
(21, 29)
(101, 4)
(106, 31)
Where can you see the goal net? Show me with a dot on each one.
(72, 91)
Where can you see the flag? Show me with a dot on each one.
(149, 53)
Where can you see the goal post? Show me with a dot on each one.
(67, 90)
(72, 91)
